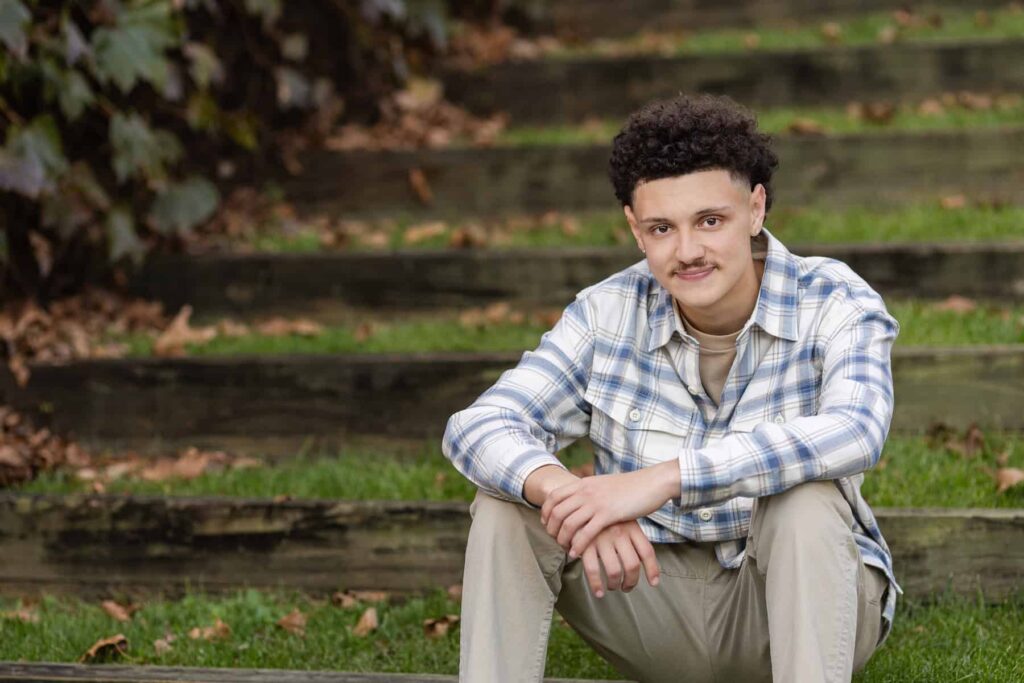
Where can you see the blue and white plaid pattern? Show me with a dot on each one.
(809, 397)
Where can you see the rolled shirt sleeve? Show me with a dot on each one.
(844, 437)
(532, 411)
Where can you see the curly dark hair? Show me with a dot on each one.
(687, 133)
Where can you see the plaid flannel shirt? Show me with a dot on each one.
(809, 397)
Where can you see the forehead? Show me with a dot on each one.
(685, 194)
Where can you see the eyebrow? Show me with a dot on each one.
(714, 209)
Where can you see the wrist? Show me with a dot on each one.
(543, 480)
(669, 483)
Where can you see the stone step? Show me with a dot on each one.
(96, 545)
(878, 168)
(574, 89)
(280, 405)
(327, 286)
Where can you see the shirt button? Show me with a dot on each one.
(779, 419)
(705, 515)
(694, 389)
(634, 415)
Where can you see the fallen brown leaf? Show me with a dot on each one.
(888, 34)
(1008, 477)
(424, 231)
(956, 304)
(191, 464)
(179, 333)
(25, 614)
(163, 645)
(438, 628)
(367, 623)
(113, 646)
(294, 622)
(953, 202)
(420, 186)
(218, 631)
(751, 40)
(118, 611)
(468, 237)
(832, 32)
(805, 126)
(343, 599)
(364, 331)
(281, 327)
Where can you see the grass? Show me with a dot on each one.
(953, 639)
(778, 121)
(923, 324)
(865, 29)
(793, 225)
(911, 473)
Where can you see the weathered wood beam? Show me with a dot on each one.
(589, 19)
(574, 89)
(279, 404)
(46, 672)
(329, 286)
(96, 545)
(881, 167)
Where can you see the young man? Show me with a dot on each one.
(734, 394)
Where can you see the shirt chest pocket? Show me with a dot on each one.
(638, 433)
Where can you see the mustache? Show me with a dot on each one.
(691, 267)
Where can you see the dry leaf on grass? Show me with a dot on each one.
(281, 327)
(25, 614)
(953, 202)
(163, 645)
(367, 623)
(107, 647)
(219, 631)
(424, 231)
(179, 333)
(420, 186)
(118, 611)
(294, 622)
(832, 32)
(1008, 477)
(804, 126)
(364, 331)
(956, 304)
(438, 628)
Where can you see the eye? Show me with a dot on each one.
(712, 221)
(658, 229)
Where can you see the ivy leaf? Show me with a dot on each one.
(121, 235)
(69, 87)
(139, 148)
(204, 66)
(14, 19)
(75, 44)
(268, 10)
(182, 206)
(134, 49)
(32, 159)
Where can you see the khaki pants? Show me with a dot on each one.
(801, 607)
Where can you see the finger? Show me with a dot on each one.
(553, 499)
(630, 562)
(560, 513)
(610, 561)
(645, 551)
(586, 535)
(569, 528)
(592, 569)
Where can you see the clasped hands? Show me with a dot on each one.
(595, 519)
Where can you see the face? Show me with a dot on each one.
(695, 230)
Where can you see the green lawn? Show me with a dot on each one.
(954, 640)
(866, 29)
(912, 473)
(923, 324)
(793, 225)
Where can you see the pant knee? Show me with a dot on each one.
(802, 517)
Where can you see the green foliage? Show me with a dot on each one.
(142, 99)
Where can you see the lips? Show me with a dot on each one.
(694, 275)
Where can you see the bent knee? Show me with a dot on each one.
(816, 505)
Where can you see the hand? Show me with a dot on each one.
(575, 513)
(622, 549)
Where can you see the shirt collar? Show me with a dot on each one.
(775, 311)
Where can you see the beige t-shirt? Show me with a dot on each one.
(718, 351)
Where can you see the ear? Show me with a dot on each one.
(758, 198)
(633, 227)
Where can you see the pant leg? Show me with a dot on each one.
(804, 582)
(514, 574)
(511, 577)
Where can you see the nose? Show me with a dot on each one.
(689, 249)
